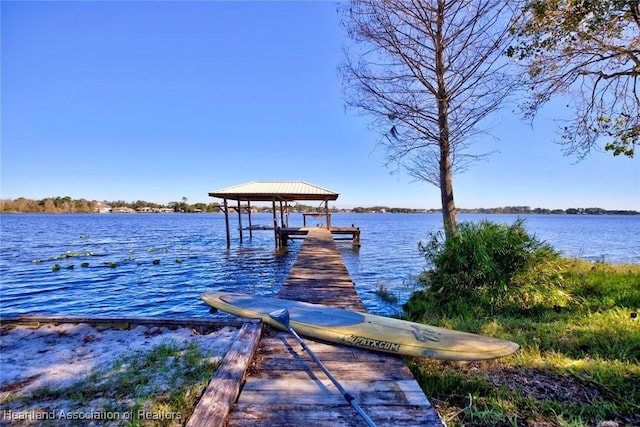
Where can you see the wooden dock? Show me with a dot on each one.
(285, 234)
(285, 387)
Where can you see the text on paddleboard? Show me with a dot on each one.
(371, 343)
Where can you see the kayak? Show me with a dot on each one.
(363, 330)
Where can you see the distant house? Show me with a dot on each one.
(102, 208)
(123, 209)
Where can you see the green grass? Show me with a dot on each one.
(578, 365)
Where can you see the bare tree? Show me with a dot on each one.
(588, 52)
(428, 72)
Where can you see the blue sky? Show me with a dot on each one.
(158, 101)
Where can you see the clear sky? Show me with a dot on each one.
(158, 101)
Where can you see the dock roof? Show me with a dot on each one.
(267, 191)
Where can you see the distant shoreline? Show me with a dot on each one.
(348, 211)
(508, 211)
(69, 205)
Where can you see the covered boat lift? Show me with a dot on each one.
(276, 192)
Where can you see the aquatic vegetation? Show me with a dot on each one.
(129, 259)
(385, 294)
(70, 254)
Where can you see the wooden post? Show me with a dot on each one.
(249, 213)
(275, 222)
(281, 215)
(286, 212)
(240, 220)
(226, 221)
(326, 212)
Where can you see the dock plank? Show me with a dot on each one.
(216, 402)
(330, 416)
(285, 387)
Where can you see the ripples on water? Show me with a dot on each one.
(159, 264)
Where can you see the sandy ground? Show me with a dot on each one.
(59, 355)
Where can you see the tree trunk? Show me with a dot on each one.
(428, 72)
(446, 181)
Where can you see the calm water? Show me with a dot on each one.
(158, 264)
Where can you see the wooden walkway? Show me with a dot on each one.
(285, 387)
(283, 235)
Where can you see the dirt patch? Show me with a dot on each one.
(467, 388)
(17, 385)
(539, 385)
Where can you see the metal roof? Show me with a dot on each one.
(275, 190)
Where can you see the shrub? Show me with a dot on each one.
(488, 269)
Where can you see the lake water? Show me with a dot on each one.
(159, 264)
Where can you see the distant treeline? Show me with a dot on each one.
(503, 210)
(569, 211)
(69, 205)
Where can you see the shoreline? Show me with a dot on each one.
(338, 211)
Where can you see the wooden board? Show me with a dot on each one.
(286, 388)
(364, 330)
(217, 400)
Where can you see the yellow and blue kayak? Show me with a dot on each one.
(363, 330)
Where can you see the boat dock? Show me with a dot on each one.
(282, 193)
(285, 387)
(352, 234)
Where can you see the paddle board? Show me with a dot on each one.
(364, 330)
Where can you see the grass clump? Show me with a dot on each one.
(166, 379)
(576, 323)
(488, 269)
